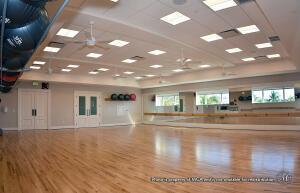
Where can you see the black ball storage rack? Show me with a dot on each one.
(58, 12)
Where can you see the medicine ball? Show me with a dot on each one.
(19, 13)
(133, 97)
(8, 83)
(241, 98)
(27, 37)
(120, 97)
(18, 61)
(126, 97)
(5, 89)
(114, 97)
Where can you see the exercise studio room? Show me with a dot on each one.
(149, 96)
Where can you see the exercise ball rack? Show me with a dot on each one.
(5, 70)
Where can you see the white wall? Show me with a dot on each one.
(62, 104)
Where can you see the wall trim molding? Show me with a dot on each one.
(119, 124)
(10, 129)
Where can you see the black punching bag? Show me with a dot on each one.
(27, 37)
(19, 13)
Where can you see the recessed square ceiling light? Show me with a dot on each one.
(66, 70)
(117, 75)
(233, 50)
(248, 29)
(114, 0)
(73, 66)
(211, 37)
(39, 62)
(67, 33)
(156, 66)
(157, 52)
(51, 49)
(103, 69)
(264, 45)
(128, 72)
(138, 77)
(129, 61)
(273, 56)
(94, 55)
(175, 18)
(205, 66)
(35, 67)
(150, 75)
(218, 5)
(118, 43)
(248, 59)
(93, 72)
(178, 70)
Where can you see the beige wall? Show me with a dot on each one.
(62, 104)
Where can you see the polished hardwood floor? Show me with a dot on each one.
(123, 159)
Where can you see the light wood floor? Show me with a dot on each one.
(122, 160)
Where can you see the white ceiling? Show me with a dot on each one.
(138, 22)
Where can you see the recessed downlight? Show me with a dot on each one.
(218, 5)
(175, 18)
(248, 29)
(211, 37)
(233, 50)
(67, 33)
(264, 45)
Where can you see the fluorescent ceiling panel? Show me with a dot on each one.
(67, 33)
(103, 69)
(211, 37)
(248, 29)
(178, 70)
(73, 66)
(156, 66)
(118, 43)
(128, 72)
(94, 55)
(233, 50)
(39, 62)
(51, 49)
(248, 59)
(35, 67)
(93, 72)
(218, 5)
(129, 61)
(157, 52)
(264, 45)
(175, 18)
(205, 66)
(273, 56)
(66, 70)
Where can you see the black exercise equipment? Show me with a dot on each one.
(126, 97)
(16, 60)
(1, 132)
(37, 3)
(19, 13)
(114, 97)
(4, 89)
(120, 97)
(27, 37)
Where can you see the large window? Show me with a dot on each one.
(167, 100)
(212, 98)
(273, 95)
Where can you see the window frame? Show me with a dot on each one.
(264, 101)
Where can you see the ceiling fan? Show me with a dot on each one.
(90, 40)
(187, 63)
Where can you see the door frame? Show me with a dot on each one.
(79, 92)
(20, 90)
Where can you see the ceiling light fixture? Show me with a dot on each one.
(35, 67)
(234, 50)
(73, 66)
(150, 75)
(94, 55)
(264, 45)
(178, 70)
(39, 62)
(218, 5)
(157, 52)
(118, 43)
(211, 37)
(175, 18)
(156, 66)
(248, 29)
(94, 72)
(67, 33)
(248, 59)
(51, 49)
(205, 66)
(273, 56)
(128, 72)
(66, 70)
(129, 61)
(138, 77)
(103, 69)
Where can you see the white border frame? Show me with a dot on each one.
(20, 90)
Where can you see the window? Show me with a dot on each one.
(212, 98)
(273, 95)
(167, 100)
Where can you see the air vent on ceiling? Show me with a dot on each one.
(274, 38)
(138, 58)
(244, 1)
(261, 58)
(229, 33)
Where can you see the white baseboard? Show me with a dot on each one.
(62, 127)
(118, 124)
(10, 129)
